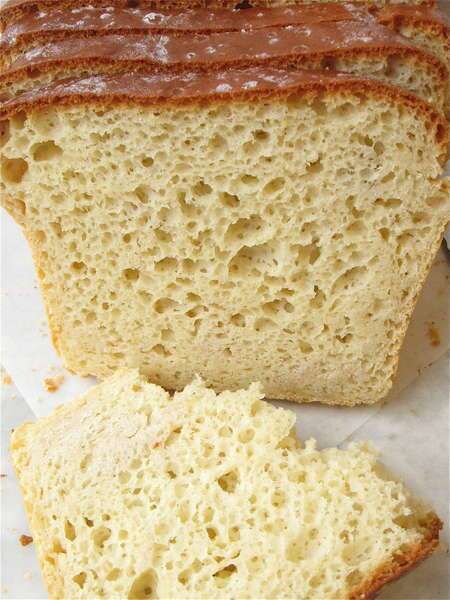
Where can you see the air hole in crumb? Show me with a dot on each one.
(305, 347)
(201, 189)
(238, 320)
(100, 535)
(14, 169)
(384, 232)
(69, 531)
(226, 572)
(45, 151)
(274, 186)
(161, 350)
(80, 579)
(229, 481)
(166, 265)
(114, 575)
(229, 200)
(246, 436)
(131, 274)
(144, 586)
(295, 551)
(163, 305)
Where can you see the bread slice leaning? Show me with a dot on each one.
(133, 493)
(14, 10)
(426, 26)
(58, 23)
(246, 225)
(359, 46)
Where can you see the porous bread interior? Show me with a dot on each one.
(283, 241)
(133, 493)
(409, 72)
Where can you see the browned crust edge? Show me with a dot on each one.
(412, 52)
(15, 8)
(400, 564)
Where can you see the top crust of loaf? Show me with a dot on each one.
(237, 85)
(56, 23)
(14, 9)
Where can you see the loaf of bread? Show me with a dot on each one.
(133, 493)
(347, 40)
(426, 26)
(243, 225)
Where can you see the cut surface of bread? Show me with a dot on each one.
(427, 27)
(133, 493)
(361, 47)
(248, 225)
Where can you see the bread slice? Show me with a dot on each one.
(358, 47)
(245, 225)
(132, 493)
(13, 10)
(427, 27)
(58, 23)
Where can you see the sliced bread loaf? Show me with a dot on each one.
(427, 27)
(361, 47)
(132, 493)
(243, 225)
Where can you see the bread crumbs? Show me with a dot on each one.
(25, 540)
(52, 384)
(7, 380)
(433, 334)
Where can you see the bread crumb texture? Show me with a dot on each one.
(134, 493)
(282, 240)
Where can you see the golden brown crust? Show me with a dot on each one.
(401, 563)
